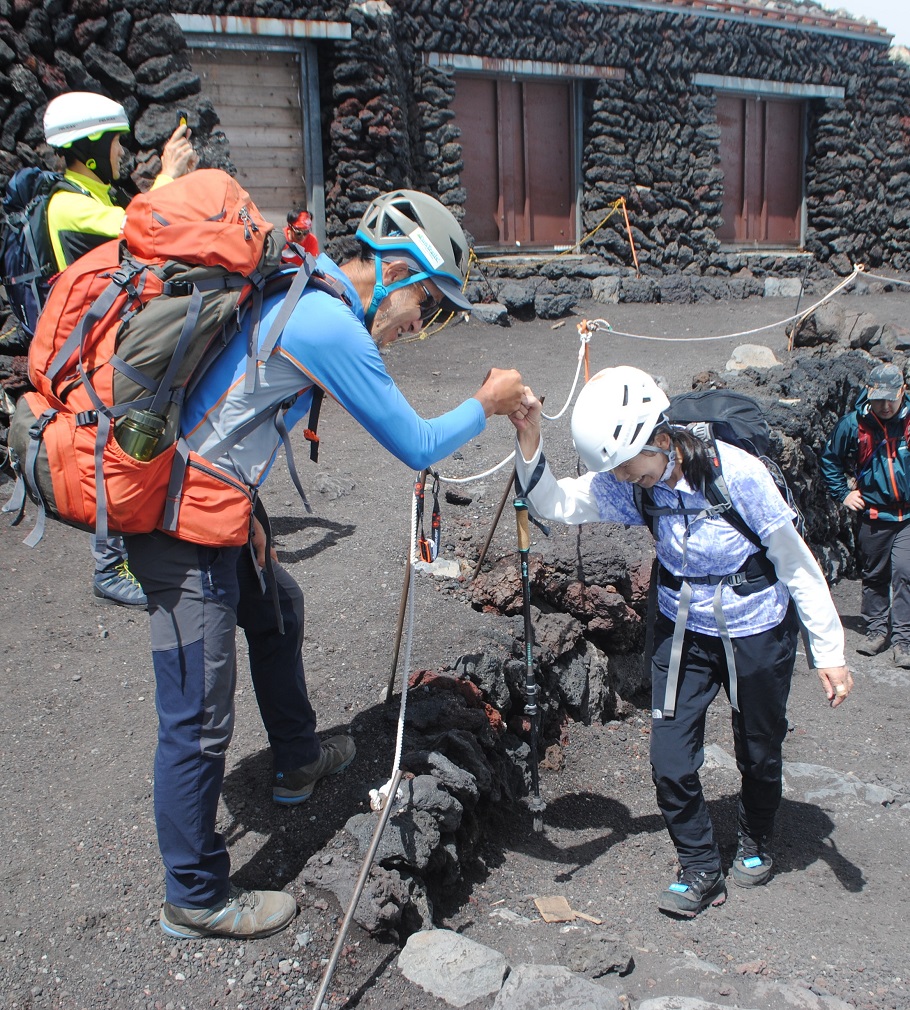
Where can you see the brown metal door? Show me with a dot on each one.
(548, 141)
(731, 118)
(783, 172)
(475, 110)
(761, 157)
(516, 139)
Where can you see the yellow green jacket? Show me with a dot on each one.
(78, 222)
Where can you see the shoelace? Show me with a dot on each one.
(244, 899)
(123, 569)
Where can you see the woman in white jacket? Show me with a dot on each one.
(728, 611)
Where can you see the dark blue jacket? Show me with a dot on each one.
(883, 478)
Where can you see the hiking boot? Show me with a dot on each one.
(902, 656)
(242, 916)
(297, 786)
(692, 892)
(119, 585)
(752, 863)
(873, 644)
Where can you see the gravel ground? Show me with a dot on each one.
(80, 877)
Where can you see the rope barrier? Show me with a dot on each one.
(587, 327)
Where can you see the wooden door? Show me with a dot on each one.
(761, 154)
(257, 98)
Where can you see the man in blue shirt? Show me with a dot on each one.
(414, 258)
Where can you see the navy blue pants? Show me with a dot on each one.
(764, 668)
(884, 550)
(197, 597)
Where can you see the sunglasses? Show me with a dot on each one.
(428, 304)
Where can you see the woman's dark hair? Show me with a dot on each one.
(695, 459)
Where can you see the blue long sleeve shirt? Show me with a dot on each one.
(325, 343)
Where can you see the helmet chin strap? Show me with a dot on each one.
(382, 291)
(91, 153)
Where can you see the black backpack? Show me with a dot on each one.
(28, 256)
(727, 416)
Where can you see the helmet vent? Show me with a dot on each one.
(638, 428)
(625, 396)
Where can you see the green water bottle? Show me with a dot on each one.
(138, 433)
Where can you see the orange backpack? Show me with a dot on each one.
(128, 326)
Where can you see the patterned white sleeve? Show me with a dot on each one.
(799, 572)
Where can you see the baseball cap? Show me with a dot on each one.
(885, 382)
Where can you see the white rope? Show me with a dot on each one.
(586, 328)
(889, 280)
(479, 476)
(857, 270)
(585, 340)
(379, 797)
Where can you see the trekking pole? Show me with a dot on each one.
(358, 889)
(535, 804)
(403, 605)
(499, 509)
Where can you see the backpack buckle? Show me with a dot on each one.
(177, 289)
(735, 579)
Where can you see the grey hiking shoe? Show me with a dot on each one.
(297, 786)
(752, 863)
(243, 916)
(692, 892)
(872, 644)
(902, 656)
(119, 585)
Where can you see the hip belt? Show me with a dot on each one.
(754, 575)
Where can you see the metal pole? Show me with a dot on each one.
(502, 504)
(358, 891)
(535, 803)
(507, 490)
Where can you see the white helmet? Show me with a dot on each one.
(82, 114)
(615, 415)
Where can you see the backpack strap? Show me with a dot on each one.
(309, 433)
(719, 502)
(294, 293)
(163, 393)
(754, 575)
(26, 477)
(267, 578)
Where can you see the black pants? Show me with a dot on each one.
(764, 668)
(884, 549)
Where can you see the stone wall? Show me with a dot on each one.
(651, 138)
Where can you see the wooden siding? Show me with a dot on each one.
(257, 95)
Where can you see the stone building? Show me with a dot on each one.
(746, 139)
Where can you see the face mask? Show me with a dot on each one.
(668, 473)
